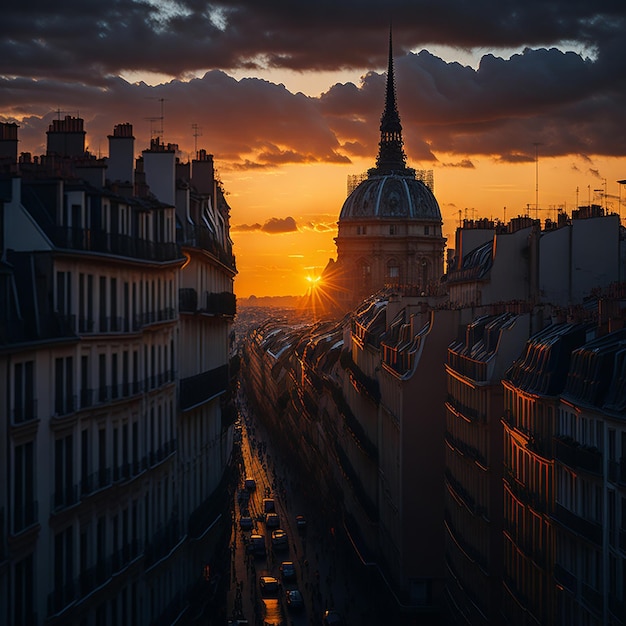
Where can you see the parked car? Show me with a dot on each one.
(272, 520)
(301, 522)
(245, 522)
(269, 584)
(294, 599)
(250, 484)
(269, 506)
(287, 570)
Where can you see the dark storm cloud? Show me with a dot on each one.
(64, 58)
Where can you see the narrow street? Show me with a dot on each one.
(322, 569)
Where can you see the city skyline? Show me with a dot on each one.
(518, 109)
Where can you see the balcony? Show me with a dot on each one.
(162, 542)
(579, 525)
(361, 381)
(187, 300)
(198, 236)
(537, 501)
(65, 405)
(25, 412)
(100, 479)
(565, 578)
(571, 453)
(61, 597)
(99, 241)
(24, 516)
(592, 598)
(464, 410)
(465, 365)
(198, 389)
(223, 303)
(65, 497)
(154, 317)
(617, 472)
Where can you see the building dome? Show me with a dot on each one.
(391, 196)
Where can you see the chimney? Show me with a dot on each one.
(8, 142)
(66, 137)
(202, 172)
(121, 162)
(159, 163)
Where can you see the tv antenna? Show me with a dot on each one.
(159, 131)
(197, 132)
(536, 144)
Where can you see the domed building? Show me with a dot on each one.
(390, 226)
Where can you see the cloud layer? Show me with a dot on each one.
(67, 58)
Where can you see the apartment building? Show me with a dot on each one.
(104, 510)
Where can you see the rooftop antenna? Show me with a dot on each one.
(619, 200)
(197, 132)
(536, 144)
(159, 131)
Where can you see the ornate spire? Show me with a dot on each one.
(391, 157)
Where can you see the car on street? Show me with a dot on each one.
(332, 618)
(287, 570)
(269, 506)
(250, 484)
(279, 538)
(269, 585)
(294, 599)
(257, 544)
(301, 522)
(272, 520)
(245, 522)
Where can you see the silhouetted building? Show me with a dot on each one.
(389, 229)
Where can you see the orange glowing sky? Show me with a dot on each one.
(510, 109)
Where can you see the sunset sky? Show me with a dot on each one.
(511, 104)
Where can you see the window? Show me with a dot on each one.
(24, 406)
(63, 561)
(85, 391)
(23, 592)
(63, 386)
(103, 305)
(84, 461)
(113, 306)
(102, 378)
(23, 487)
(63, 472)
(102, 460)
(64, 293)
(114, 376)
(427, 230)
(392, 229)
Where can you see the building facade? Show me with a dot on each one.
(117, 454)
